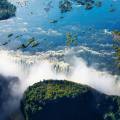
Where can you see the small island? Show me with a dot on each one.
(64, 100)
(67, 5)
(116, 34)
(7, 10)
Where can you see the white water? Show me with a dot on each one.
(31, 69)
(59, 65)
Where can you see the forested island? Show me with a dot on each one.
(64, 100)
(7, 10)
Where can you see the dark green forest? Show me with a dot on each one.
(63, 100)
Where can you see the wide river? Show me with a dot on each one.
(93, 28)
(91, 62)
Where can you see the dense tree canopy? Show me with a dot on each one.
(63, 100)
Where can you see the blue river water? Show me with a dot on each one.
(92, 27)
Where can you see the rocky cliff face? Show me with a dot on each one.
(7, 10)
(63, 100)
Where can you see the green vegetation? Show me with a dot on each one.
(51, 90)
(71, 39)
(117, 54)
(59, 100)
(116, 46)
(7, 10)
(34, 44)
(30, 42)
(116, 32)
(56, 89)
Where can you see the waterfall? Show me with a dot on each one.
(25, 61)
(60, 65)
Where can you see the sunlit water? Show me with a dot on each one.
(95, 44)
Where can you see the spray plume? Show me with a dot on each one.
(28, 69)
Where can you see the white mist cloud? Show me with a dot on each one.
(8, 67)
(80, 73)
(30, 72)
(102, 81)
(15, 65)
